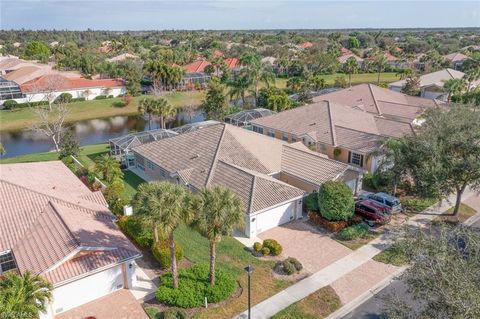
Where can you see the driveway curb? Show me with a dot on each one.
(349, 307)
(472, 219)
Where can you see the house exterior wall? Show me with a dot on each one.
(77, 93)
(297, 182)
(81, 291)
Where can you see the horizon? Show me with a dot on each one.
(266, 15)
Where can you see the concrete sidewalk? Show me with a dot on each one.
(269, 307)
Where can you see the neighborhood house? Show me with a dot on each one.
(270, 176)
(52, 225)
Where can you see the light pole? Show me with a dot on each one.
(249, 270)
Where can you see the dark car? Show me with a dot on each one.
(393, 203)
(373, 211)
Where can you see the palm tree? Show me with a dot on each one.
(350, 67)
(163, 205)
(380, 62)
(454, 87)
(109, 168)
(87, 93)
(149, 106)
(164, 110)
(472, 74)
(239, 85)
(25, 294)
(218, 211)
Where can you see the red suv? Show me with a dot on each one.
(372, 210)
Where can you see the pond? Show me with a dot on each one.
(88, 132)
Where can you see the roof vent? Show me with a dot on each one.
(312, 124)
(195, 156)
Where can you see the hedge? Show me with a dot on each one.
(174, 313)
(119, 104)
(311, 202)
(64, 98)
(133, 228)
(161, 252)
(336, 201)
(10, 104)
(194, 286)
(274, 247)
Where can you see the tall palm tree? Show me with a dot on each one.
(149, 106)
(163, 205)
(239, 86)
(454, 87)
(164, 110)
(25, 294)
(472, 74)
(380, 63)
(218, 211)
(350, 67)
(109, 168)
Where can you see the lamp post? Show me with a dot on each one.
(249, 270)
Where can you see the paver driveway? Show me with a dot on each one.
(120, 304)
(314, 249)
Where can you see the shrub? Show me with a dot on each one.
(133, 228)
(10, 104)
(127, 99)
(273, 245)
(174, 313)
(119, 104)
(417, 204)
(194, 286)
(100, 97)
(78, 99)
(64, 98)
(288, 268)
(265, 251)
(297, 264)
(336, 201)
(311, 202)
(161, 252)
(353, 232)
(257, 246)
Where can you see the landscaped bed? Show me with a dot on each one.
(464, 213)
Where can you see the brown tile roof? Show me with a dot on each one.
(313, 167)
(370, 98)
(47, 216)
(456, 57)
(224, 154)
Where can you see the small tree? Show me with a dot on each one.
(68, 144)
(215, 104)
(51, 122)
(350, 67)
(108, 168)
(412, 86)
(335, 200)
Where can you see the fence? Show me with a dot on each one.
(77, 162)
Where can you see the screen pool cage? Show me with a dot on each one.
(243, 118)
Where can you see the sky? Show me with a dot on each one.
(235, 15)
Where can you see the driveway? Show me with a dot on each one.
(314, 249)
(120, 304)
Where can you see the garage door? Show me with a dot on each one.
(87, 289)
(275, 216)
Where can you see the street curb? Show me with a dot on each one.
(349, 307)
(472, 219)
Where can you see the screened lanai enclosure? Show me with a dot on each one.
(120, 147)
(243, 118)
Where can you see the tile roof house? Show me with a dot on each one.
(346, 54)
(456, 59)
(54, 226)
(249, 164)
(347, 125)
(431, 84)
(305, 45)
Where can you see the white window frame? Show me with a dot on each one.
(356, 159)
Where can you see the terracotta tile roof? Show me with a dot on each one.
(305, 45)
(196, 66)
(48, 217)
(345, 54)
(338, 125)
(437, 78)
(456, 57)
(369, 96)
(65, 83)
(218, 53)
(224, 154)
(232, 63)
(313, 167)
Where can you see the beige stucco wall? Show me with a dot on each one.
(294, 181)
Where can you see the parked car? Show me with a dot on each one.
(392, 202)
(373, 211)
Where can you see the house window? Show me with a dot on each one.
(294, 139)
(150, 165)
(7, 262)
(285, 137)
(271, 132)
(355, 159)
(140, 167)
(258, 129)
(163, 173)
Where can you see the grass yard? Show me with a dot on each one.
(232, 257)
(354, 244)
(393, 256)
(465, 212)
(85, 110)
(131, 181)
(318, 305)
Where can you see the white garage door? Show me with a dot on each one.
(275, 216)
(87, 289)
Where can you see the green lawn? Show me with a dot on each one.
(131, 181)
(317, 305)
(84, 110)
